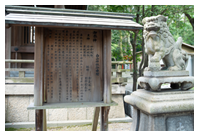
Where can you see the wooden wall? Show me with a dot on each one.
(22, 45)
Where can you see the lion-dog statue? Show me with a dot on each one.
(159, 44)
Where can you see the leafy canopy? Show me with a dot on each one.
(180, 22)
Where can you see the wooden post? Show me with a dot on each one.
(39, 120)
(107, 65)
(44, 120)
(38, 80)
(133, 42)
(95, 118)
(7, 48)
(104, 118)
(107, 79)
(38, 67)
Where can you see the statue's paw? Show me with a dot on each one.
(164, 68)
(152, 69)
(174, 68)
(154, 59)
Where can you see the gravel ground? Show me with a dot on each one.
(112, 127)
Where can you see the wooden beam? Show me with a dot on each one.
(107, 65)
(68, 25)
(104, 118)
(23, 49)
(95, 118)
(70, 105)
(19, 61)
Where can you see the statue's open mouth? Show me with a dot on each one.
(152, 33)
(152, 28)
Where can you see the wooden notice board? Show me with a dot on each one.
(73, 65)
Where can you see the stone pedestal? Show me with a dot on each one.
(154, 80)
(168, 110)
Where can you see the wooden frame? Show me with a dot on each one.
(39, 67)
(40, 94)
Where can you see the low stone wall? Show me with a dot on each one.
(18, 97)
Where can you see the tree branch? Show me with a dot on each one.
(191, 20)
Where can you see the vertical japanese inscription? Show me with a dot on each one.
(70, 66)
(97, 65)
(67, 64)
(73, 65)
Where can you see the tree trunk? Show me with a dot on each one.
(133, 43)
(191, 20)
(120, 45)
(152, 9)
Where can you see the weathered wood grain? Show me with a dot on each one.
(107, 65)
(44, 120)
(38, 120)
(16, 36)
(7, 48)
(71, 105)
(38, 67)
(75, 60)
(104, 111)
(95, 118)
(27, 49)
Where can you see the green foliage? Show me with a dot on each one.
(18, 129)
(10, 129)
(115, 51)
(180, 22)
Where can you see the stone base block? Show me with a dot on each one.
(168, 110)
(182, 121)
(118, 88)
(128, 108)
(117, 111)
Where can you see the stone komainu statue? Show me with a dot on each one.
(159, 44)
